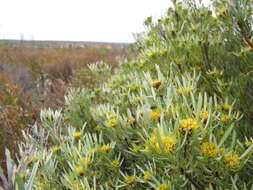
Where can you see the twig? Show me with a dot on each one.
(196, 184)
(245, 36)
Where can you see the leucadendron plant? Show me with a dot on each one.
(165, 121)
(149, 131)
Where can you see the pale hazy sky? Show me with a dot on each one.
(78, 20)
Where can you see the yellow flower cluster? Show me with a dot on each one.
(225, 107)
(106, 148)
(77, 135)
(97, 128)
(213, 73)
(162, 187)
(79, 170)
(155, 53)
(225, 118)
(180, 91)
(131, 121)
(136, 149)
(210, 149)
(169, 143)
(189, 124)
(156, 83)
(77, 185)
(177, 59)
(129, 179)
(147, 175)
(112, 123)
(203, 115)
(138, 99)
(185, 90)
(248, 144)
(85, 160)
(232, 161)
(154, 114)
(56, 148)
(115, 163)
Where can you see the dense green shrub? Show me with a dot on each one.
(174, 118)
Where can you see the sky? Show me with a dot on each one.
(77, 20)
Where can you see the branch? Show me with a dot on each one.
(245, 36)
(196, 184)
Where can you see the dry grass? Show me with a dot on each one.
(35, 78)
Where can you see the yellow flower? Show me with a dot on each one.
(77, 185)
(204, 115)
(169, 143)
(225, 107)
(56, 148)
(189, 124)
(177, 60)
(232, 161)
(154, 114)
(188, 90)
(180, 91)
(225, 118)
(105, 148)
(85, 160)
(136, 149)
(23, 175)
(112, 123)
(77, 135)
(147, 175)
(80, 170)
(156, 83)
(115, 163)
(162, 52)
(248, 144)
(162, 187)
(42, 185)
(225, 85)
(131, 121)
(151, 54)
(97, 128)
(146, 148)
(195, 68)
(223, 11)
(111, 115)
(213, 73)
(210, 149)
(129, 179)
(138, 99)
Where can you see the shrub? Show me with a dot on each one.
(168, 120)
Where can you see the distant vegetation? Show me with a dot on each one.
(34, 77)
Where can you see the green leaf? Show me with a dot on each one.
(28, 186)
(226, 135)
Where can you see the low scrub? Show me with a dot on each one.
(173, 118)
(35, 78)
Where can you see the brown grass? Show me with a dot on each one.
(35, 78)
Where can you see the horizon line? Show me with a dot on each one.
(75, 41)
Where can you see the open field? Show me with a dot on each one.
(35, 75)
